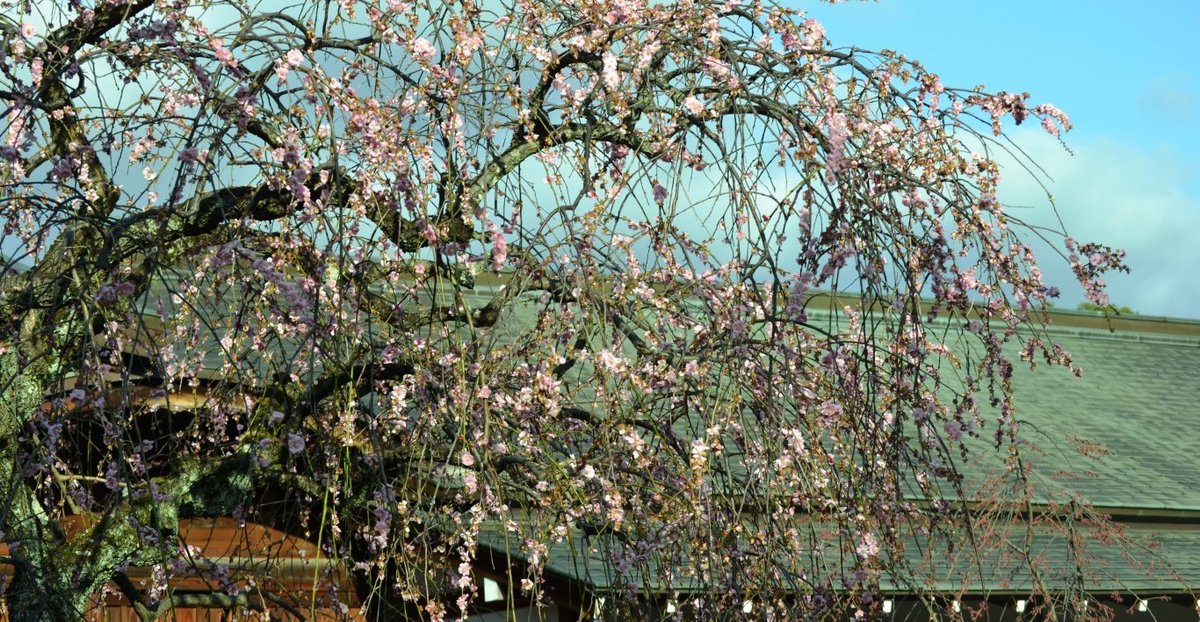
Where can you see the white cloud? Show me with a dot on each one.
(1124, 195)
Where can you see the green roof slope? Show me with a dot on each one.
(1139, 398)
(1155, 559)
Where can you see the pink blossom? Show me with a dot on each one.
(721, 71)
(281, 72)
(609, 72)
(609, 360)
(541, 53)
(1096, 296)
(1054, 120)
(467, 459)
(16, 128)
(694, 105)
(839, 131)
(28, 30)
(868, 547)
(221, 53)
(814, 33)
(647, 55)
(423, 50)
(829, 411)
(499, 252)
(283, 66)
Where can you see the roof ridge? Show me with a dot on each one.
(1126, 336)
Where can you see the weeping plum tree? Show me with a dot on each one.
(680, 278)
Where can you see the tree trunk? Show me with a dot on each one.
(31, 599)
(41, 589)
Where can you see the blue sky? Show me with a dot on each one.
(1126, 75)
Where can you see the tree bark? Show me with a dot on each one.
(34, 595)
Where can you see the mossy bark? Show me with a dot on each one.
(55, 573)
(35, 594)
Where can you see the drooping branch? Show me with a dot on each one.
(358, 378)
(643, 368)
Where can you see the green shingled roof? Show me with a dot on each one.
(1135, 409)
(1138, 397)
(1153, 559)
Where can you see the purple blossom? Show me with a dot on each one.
(295, 443)
(954, 429)
(660, 193)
